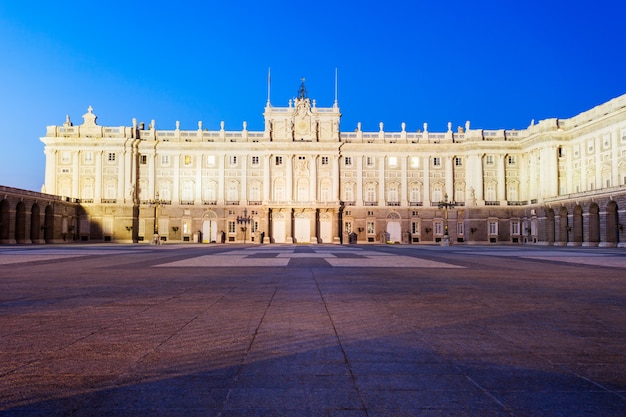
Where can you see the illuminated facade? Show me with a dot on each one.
(303, 180)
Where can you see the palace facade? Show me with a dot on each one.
(303, 180)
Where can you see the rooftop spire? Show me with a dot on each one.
(302, 93)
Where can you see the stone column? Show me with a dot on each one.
(267, 195)
(501, 178)
(381, 182)
(313, 176)
(76, 174)
(98, 186)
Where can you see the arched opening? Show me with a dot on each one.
(20, 223)
(550, 226)
(35, 223)
(577, 226)
(564, 227)
(4, 221)
(612, 224)
(48, 224)
(594, 224)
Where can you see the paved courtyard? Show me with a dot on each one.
(315, 330)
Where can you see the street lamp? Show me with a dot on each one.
(445, 204)
(245, 220)
(156, 202)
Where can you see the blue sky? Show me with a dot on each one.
(499, 64)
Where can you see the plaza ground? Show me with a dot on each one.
(312, 330)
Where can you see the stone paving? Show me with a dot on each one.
(315, 330)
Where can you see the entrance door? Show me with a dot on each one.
(326, 231)
(209, 231)
(393, 231)
(303, 230)
(278, 230)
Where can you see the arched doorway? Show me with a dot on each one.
(209, 227)
(612, 224)
(20, 223)
(4, 221)
(550, 226)
(594, 224)
(564, 227)
(326, 228)
(35, 223)
(302, 223)
(279, 228)
(577, 226)
(394, 230)
(48, 225)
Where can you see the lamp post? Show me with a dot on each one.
(445, 204)
(156, 202)
(245, 220)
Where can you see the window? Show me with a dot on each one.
(460, 229)
(370, 228)
(370, 212)
(415, 228)
(165, 160)
(436, 161)
(515, 227)
(210, 160)
(279, 160)
(65, 157)
(369, 161)
(489, 159)
(458, 161)
(187, 191)
(348, 161)
(511, 160)
(416, 195)
(370, 193)
(232, 192)
(492, 226)
(187, 160)
(143, 159)
(348, 192)
(414, 213)
(255, 160)
(438, 228)
(231, 226)
(415, 162)
(392, 193)
(392, 161)
(301, 158)
(348, 227)
(325, 191)
(324, 160)
(111, 156)
(490, 192)
(232, 160)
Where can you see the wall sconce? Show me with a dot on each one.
(175, 229)
(473, 229)
(360, 229)
(428, 230)
(620, 227)
(129, 228)
(569, 228)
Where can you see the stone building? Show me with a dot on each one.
(303, 180)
